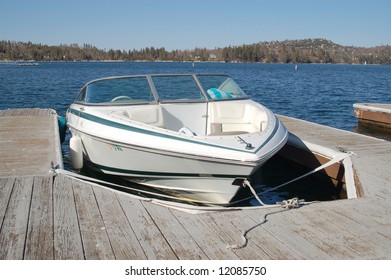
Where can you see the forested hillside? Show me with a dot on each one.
(289, 51)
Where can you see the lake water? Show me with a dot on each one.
(318, 93)
(324, 94)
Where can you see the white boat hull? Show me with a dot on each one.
(188, 179)
(148, 162)
(202, 190)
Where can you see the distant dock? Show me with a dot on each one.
(375, 114)
(48, 216)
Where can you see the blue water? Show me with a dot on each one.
(318, 93)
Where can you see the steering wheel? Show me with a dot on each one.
(120, 97)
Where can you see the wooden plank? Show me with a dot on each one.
(67, 238)
(38, 146)
(232, 235)
(39, 241)
(358, 238)
(14, 228)
(273, 247)
(322, 233)
(26, 112)
(180, 240)
(149, 235)
(204, 235)
(6, 185)
(374, 220)
(121, 235)
(96, 243)
(285, 233)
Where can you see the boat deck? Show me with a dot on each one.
(58, 217)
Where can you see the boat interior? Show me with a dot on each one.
(211, 118)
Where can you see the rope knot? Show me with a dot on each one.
(291, 203)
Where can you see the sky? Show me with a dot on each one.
(183, 24)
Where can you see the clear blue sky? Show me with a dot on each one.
(183, 24)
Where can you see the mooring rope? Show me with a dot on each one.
(285, 204)
(290, 203)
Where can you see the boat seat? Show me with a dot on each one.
(235, 118)
(148, 114)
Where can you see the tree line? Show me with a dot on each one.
(288, 51)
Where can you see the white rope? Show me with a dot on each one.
(99, 183)
(285, 204)
(290, 203)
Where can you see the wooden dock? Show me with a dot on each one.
(29, 142)
(378, 115)
(43, 216)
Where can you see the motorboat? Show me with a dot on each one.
(197, 137)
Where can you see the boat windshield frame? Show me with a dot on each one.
(159, 88)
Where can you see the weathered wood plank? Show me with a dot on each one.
(232, 236)
(26, 112)
(149, 235)
(204, 235)
(26, 138)
(96, 243)
(273, 247)
(6, 185)
(283, 231)
(180, 240)
(14, 228)
(121, 235)
(322, 234)
(39, 241)
(67, 238)
(356, 237)
(373, 220)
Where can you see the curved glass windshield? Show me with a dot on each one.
(117, 90)
(179, 88)
(221, 87)
(164, 88)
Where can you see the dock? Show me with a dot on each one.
(46, 216)
(373, 114)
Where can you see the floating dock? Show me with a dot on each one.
(48, 216)
(373, 114)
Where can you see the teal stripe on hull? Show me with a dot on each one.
(144, 131)
(110, 123)
(138, 173)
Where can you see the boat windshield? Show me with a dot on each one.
(117, 90)
(219, 87)
(165, 88)
(178, 88)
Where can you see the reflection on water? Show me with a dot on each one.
(371, 129)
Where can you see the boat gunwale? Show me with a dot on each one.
(179, 137)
